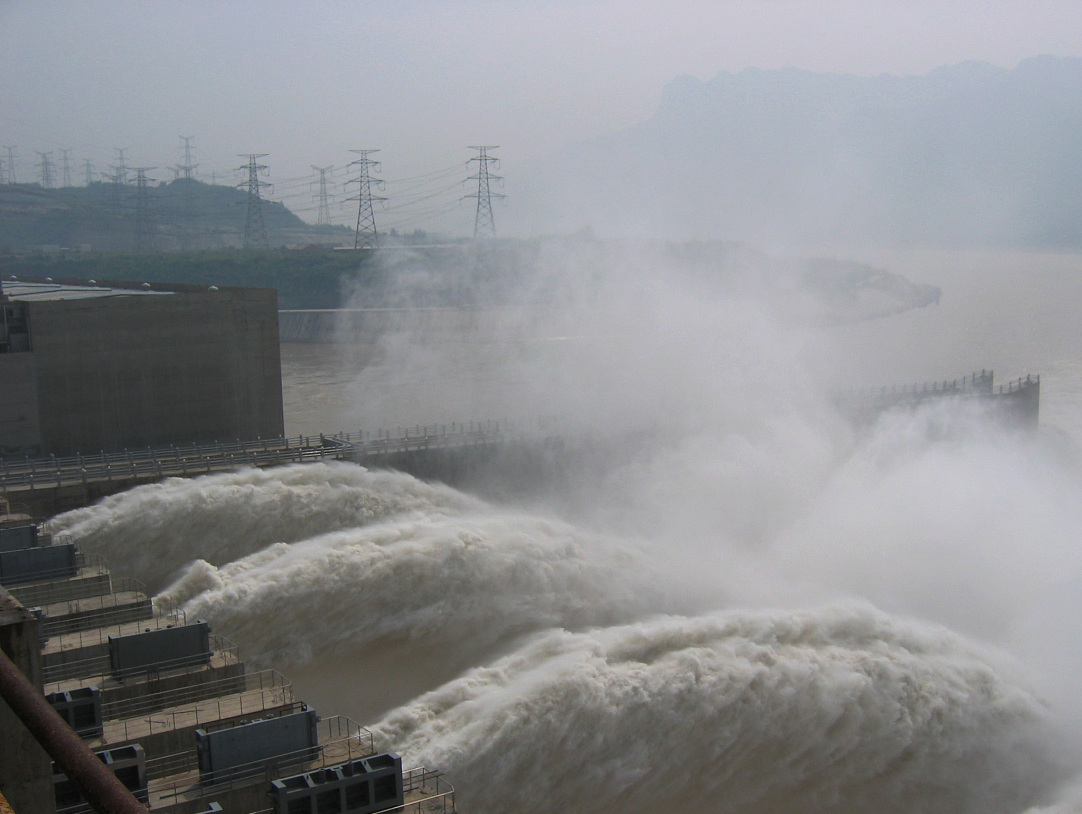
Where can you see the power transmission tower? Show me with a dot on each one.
(142, 228)
(186, 170)
(484, 225)
(46, 167)
(254, 228)
(3, 173)
(89, 169)
(65, 164)
(11, 164)
(121, 169)
(366, 236)
(323, 218)
(114, 179)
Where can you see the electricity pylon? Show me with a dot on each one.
(11, 163)
(65, 164)
(142, 229)
(484, 225)
(46, 167)
(255, 231)
(366, 236)
(121, 168)
(323, 217)
(186, 171)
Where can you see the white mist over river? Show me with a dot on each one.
(761, 612)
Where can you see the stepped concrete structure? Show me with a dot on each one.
(170, 709)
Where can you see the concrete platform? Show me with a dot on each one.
(86, 583)
(96, 611)
(170, 732)
(195, 683)
(85, 653)
(182, 793)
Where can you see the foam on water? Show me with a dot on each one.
(526, 657)
(548, 666)
(449, 583)
(151, 531)
(839, 709)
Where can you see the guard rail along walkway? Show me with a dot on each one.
(27, 474)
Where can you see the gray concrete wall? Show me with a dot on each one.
(128, 372)
(19, 432)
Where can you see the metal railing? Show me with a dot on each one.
(98, 669)
(976, 385)
(1020, 384)
(341, 740)
(437, 795)
(76, 639)
(140, 717)
(197, 459)
(261, 681)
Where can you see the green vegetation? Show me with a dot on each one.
(175, 215)
(304, 279)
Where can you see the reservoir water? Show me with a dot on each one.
(759, 610)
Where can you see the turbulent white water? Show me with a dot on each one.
(838, 709)
(152, 530)
(547, 666)
(762, 613)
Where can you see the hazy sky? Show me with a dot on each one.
(305, 82)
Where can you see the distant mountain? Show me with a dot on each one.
(967, 155)
(180, 214)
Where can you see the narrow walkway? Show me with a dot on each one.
(27, 474)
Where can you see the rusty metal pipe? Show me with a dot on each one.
(98, 785)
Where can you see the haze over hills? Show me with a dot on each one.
(180, 214)
(966, 155)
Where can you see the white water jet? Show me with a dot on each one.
(151, 531)
(839, 709)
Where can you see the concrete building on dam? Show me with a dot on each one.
(88, 367)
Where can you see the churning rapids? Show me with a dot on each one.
(550, 667)
(764, 613)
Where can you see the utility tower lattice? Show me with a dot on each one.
(46, 167)
(484, 225)
(186, 170)
(89, 169)
(121, 169)
(255, 231)
(323, 218)
(65, 164)
(142, 230)
(114, 180)
(11, 163)
(366, 236)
